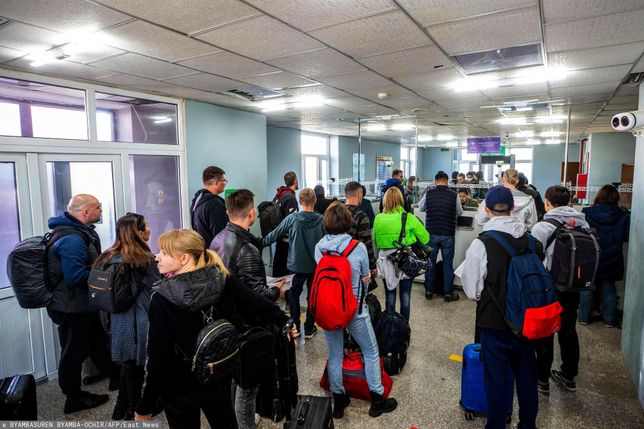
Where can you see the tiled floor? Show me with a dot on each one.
(428, 389)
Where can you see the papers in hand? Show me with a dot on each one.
(273, 281)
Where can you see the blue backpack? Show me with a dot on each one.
(531, 307)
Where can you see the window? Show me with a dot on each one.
(404, 160)
(315, 160)
(465, 162)
(523, 160)
(9, 119)
(10, 226)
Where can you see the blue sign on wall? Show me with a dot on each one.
(484, 144)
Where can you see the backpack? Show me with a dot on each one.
(270, 215)
(393, 334)
(113, 288)
(575, 258)
(28, 266)
(531, 308)
(332, 303)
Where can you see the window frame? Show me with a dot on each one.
(320, 160)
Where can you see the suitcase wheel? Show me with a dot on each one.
(469, 416)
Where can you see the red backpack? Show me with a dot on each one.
(332, 302)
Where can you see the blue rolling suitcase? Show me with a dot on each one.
(473, 398)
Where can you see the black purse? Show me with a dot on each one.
(406, 257)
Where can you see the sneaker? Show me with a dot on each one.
(583, 322)
(429, 296)
(569, 385)
(543, 388)
(453, 297)
(610, 325)
(84, 401)
(311, 333)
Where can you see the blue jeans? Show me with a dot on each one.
(498, 350)
(405, 297)
(361, 330)
(608, 307)
(446, 245)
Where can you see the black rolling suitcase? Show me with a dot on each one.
(311, 412)
(18, 398)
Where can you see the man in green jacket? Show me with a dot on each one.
(304, 229)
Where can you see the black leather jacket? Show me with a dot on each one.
(239, 250)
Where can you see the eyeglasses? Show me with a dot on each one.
(223, 180)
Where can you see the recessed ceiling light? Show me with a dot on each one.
(451, 144)
(526, 133)
(512, 121)
(309, 101)
(553, 141)
(444, 137)
(555, 119)
(550, 134)
(402, 127)
(41, 58)
(376, 127)
(425, 138)
(473, 84)
(531, 76)
(533, 142)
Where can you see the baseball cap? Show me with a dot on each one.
(499, 199)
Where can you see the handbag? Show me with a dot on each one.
(405, 259)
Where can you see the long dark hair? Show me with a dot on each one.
(128, 244)
(607, 194)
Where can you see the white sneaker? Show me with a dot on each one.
(257, 419)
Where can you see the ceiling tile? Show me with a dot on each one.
(374, 110)
(7, 54)
(96, 53)
(143, 66)
(600, 57)
(527, 91)
(278, 80)
(325, 62)
(229, 65)
(137, 82)
(322, 90)
(154, 41)
(627, 90)
(63, 16)
(62, 69)
(307, 15)
(593, 76)
(639, 67)
(557, 10)
(408, 61)
(429, 80)
(456, 102)
(373, 35)
(186, 16)
(429, 12)
(607, 30)
(207, 82)
(359, 80)
(391, 91)
(261, 38)
(585, 93)
(29, 39)
(499, 30)
(348, 103)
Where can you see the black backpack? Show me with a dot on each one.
(28, 266)
(270, 215)
(575, 257)
(393, 334)
(114, 288)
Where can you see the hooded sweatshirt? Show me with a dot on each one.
(524, 210)
(285, 196)
(394, 183)
(612, 225)
(543, 230)
(304, 230)
(208, 214)
(358, 259)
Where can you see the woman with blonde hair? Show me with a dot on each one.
(524, 207)
(197, 286)
(386, 231)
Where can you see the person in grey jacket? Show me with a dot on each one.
(524, 206)
(304, 229)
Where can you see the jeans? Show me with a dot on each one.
(244, 400)
(297, 286)
(608, 307)
(568, 342)
(498, 350)
(405, 297)
(361, 330)
(446, 246)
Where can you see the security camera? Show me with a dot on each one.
(628, 120)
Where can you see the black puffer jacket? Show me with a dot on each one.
(239, 249)
(208, 214)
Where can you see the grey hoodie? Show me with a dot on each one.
(524, 209)
(359, 259)
(543, 230)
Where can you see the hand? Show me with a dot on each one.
(280, 285)
(367, 279)
(140, 418)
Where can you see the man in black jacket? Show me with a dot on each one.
(530, 190)
(395, 181)
(285, 197)
(208, 209)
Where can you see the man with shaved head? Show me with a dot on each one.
(76, 247)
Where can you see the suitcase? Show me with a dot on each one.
(439, 285)
(473, 398)
(18, 398)
(311, 412)
(354, 379)
(393, 334)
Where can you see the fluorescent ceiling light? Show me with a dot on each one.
(376, 127)
(162, 120)
(41, 58)
(550, 134)
(539, 75)
(555, 119)
(473, 84)
(451, 144)
(402, 127)
(512, 121)
(425, 138)
(309, 101)
(444, 137)
(553, 141)
(533, 142)
(527, 133)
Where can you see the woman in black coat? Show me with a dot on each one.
(612, 224)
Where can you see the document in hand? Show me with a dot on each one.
(273, 281)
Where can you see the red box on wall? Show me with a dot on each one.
(582, 182)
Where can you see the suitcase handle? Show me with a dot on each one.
(305, 409)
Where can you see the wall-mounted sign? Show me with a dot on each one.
(484, 144)
(384, 167)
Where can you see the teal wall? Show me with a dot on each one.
(284, 154)
(371, 148)
(546, 164)
(432, 161)
(608, 151)
(633, 323)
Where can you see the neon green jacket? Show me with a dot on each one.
(386, 229)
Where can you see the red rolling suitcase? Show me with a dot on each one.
(354, 379)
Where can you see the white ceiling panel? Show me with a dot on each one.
(407, 62)
(143, 66)
(429, 12)
(528, 91)
(639, 67)
(429, 80)
(557, 10)
(593, 76)
(374, 110)
(207, 82)
(348, 103)
(28, 38)
(154, 41)
(607, 30)
(322, 90)
(187, 16)
(130, 81)
(229, 65)
(407, 103)
(461, 102)
(278, 80)
(308, 15)
(7, 54)
(94, 54)
(360, 80)
(63, 16)
(499, 30)
(373, 35)
(325, 62)
(627, 90)
(627, 53)
(261, 38)
(63, 69)
(392, 91)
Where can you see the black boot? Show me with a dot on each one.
(340, 402)
(381, 405)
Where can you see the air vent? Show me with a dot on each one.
(500, 59)
(255, 93)
(633, 79)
